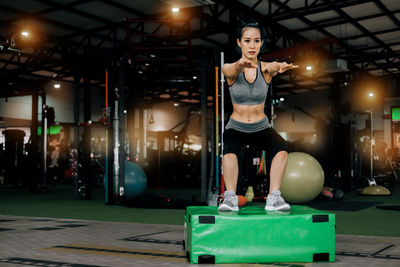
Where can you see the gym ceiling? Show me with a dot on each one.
(341, 40)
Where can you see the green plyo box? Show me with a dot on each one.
(253, 235)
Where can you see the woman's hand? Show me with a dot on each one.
(245, 63)
(283, 66)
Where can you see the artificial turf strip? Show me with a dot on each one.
(59, 203)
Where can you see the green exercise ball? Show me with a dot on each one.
(135, 180)
(303, 179)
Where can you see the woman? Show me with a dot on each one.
(248, 81)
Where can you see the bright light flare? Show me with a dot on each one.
(175, 9)
(25, 33)
(57, 85)
(309, 68)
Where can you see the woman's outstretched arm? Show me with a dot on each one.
(275, 67)
(232, 70)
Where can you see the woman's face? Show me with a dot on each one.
(250, 42)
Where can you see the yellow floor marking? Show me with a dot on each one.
(120, 252)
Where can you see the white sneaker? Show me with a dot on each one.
(276, 202)
(230, 202)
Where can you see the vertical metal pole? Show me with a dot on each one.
(371, 153)
(203, 131)
(121, 128)
(106, 188)
(116, 144)
(44, 133)
(222, 114)
(216, 127)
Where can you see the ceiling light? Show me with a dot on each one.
(176, 104)
(25, 33)
(282, 99)
(194, 77)
(371, 94)
(175, 10)
(57, 85)
(140, 72)
(309, 67)
(146, 64)
(151, 120)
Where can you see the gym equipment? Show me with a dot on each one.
(241, 200)
(303, 179)
(135, 180)
(375, 190)
(253, 235)
(13, 154)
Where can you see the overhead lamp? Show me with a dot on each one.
(176, 104)
(57, 85)
(281, 99)
(194, 77)
(151, 120)
(175, 10)
(370, 94)
(309, 68)
(25, 33)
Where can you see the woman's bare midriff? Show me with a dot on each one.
(248, 114)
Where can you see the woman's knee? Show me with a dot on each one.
(281, 156)
(230, 157)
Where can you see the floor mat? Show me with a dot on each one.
(389, 207)
(343, 205)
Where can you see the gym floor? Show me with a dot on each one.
(52, 229)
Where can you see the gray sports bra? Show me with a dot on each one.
(244, 93)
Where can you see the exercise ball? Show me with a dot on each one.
(303, 179)
(135, 180)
